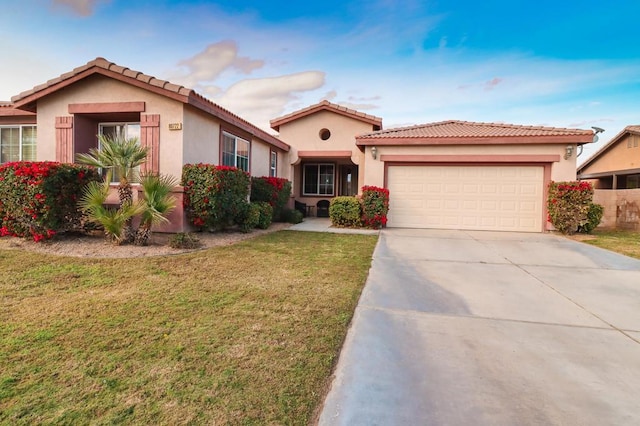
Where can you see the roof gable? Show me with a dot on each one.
(27, 100)
(455, 132)
(629, 130)
(325, 105)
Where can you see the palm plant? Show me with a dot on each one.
(121, 156)
(112, 220)
(156, 203)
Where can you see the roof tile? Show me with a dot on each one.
(325, 105)
(468, 129)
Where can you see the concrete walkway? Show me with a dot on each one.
(322, 224)
(483, 328)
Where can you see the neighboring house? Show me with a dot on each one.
(452, 175)
(617, 164)
(177, 125)
(614, 171)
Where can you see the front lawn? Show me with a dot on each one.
(624, 242)
(242, 334)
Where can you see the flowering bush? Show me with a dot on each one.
(273, 190)
(345, 211)
(39, 199)
(375, 206)
(569, 204)
(215, 197)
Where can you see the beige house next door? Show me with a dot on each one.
(495, 198)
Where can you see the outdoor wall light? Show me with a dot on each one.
(569, 152)
(374, 152)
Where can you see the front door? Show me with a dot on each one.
(349, 180)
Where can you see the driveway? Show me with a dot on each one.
(487, 328)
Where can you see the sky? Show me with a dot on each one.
(565, 64)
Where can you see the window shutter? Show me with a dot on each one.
(64, 139)
(150, 138)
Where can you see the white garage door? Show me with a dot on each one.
(495, 198)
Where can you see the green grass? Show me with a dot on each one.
(624, 242)
(243, 334)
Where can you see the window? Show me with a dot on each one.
(273, 166)
(17, 143)
(113, 130)
(318, 179)
(235, 152)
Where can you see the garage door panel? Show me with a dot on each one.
(466, 197)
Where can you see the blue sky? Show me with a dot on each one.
(565, 64)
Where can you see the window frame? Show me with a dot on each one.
(273, 163)
(125, 124)
(21, 144)
(235, 151)
(318, 193)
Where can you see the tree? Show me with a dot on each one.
(122, 157)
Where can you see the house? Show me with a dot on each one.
(177, 125)
(451, 174)
(614, 171)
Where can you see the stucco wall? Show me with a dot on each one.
(201, 134)
(303, 134)
(97, 89)
(618, 157)
(562, 170)
(621, 208)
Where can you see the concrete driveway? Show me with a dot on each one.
(486, 328)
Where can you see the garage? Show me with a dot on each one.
(474, 197)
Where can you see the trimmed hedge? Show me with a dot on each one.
(216, 197)
(594, 216)
(266, 214)
(40, 199)
(345, 211)
(272, 190)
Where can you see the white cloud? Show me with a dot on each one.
(79, 7)
(207, 65)
(260, 100)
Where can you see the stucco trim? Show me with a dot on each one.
(609, 173)
(324, 154)
(103, 107)
(461, 159)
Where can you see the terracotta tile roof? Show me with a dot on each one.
(632, 129)
(466, 132)
(328, 106)
(7, 109)
(27, 99)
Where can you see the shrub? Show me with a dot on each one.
(568, 205)
(345, 211)
(215, 197)
(375, 206)
(184, 240)
(594, 216)
(273, 190)
(291, 216)
(266, 214)
(40, 199)
(249, 217)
